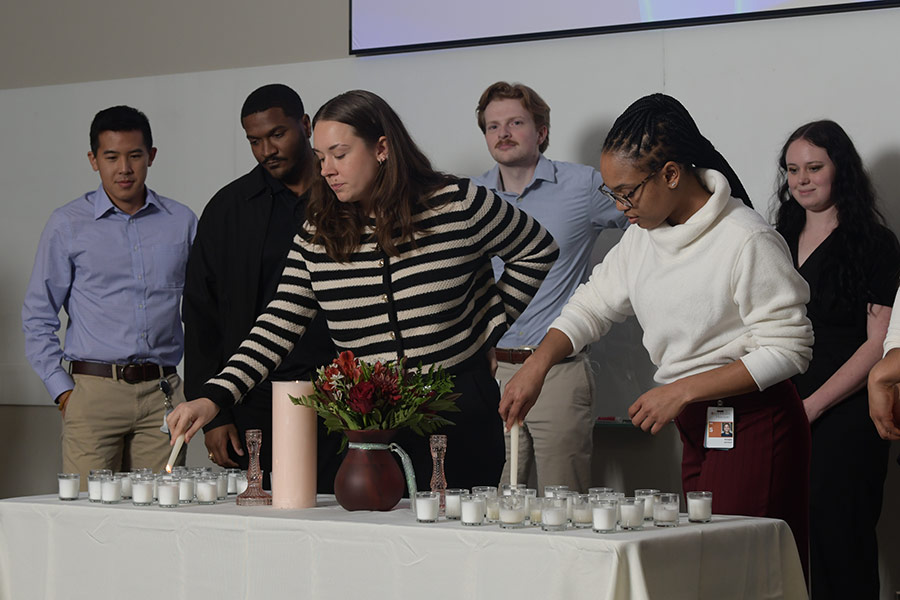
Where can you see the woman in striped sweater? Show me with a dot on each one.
(397, 257)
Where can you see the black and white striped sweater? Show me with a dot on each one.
(436, 303)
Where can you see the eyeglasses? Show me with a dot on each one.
(625, 199)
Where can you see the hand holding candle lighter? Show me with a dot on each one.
(176, 448)
(189, 417)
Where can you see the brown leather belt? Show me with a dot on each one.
(517, 356)
(133, 373)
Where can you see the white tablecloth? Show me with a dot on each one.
(71, 550)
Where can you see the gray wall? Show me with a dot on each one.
(747, 84)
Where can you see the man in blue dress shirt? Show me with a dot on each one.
(114, 260)
(556, 436)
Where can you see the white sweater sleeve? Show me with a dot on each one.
(771, 297)
(892, 340)
(598, 303)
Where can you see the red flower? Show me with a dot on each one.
(386, 385)
(362, 397)
(346, 362)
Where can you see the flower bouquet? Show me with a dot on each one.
(351, 394)
(369, 402)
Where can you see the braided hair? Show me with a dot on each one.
(657, 129)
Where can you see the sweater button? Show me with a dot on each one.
(381, 262)
(393, 335)
(384, 298)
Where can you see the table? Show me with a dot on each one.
(51, 549)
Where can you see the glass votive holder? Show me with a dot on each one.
(631, 511)
(452, 507)
(168, 490)
(665, 511)
(125, 476)
(95, 486)
(492, 508)
(530, 498)
(187, 487)
(551, 490)
(597, 491)
(428, 506)
(207, 488)
(553, 514)
(699, 507)
(507, 488)
(512, 510)
(69, 486)
(240, 482)
(142, 488)
(232, 475)
(221, 485)
(110, 489)
(535, 506)
(486, 490)
(471, 509)
(568, 496)
(604, 513)
(649, 496)
(582, 515)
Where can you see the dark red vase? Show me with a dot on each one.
(369, 479)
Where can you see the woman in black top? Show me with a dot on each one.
(841, 247)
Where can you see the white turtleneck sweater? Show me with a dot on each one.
(720, 287)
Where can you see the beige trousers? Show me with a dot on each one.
(557, 435)
(115, 425)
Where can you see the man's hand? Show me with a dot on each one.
(62, 400)
(217, 444)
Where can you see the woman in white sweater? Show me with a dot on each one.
(721, 306)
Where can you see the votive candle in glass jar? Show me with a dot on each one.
(554, 513)
(512, 509)
(125, 476)
(699, 505)
(221, 485)
(631, 510)
(69, 486)
(665, 511)
(551, 490)
(240, 482)
(95, 485)
(207, 488)
(110, 489)
(530, 502)
(168, 491)
(232, 475)
(604, 511)
(142, 488)
(187, 485)
(649, 496)
(471, 509)
(452, 507)
(428, 506)
(582, 515)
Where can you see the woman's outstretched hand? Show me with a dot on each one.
(189, 417)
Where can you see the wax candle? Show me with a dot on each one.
(241, 483)
(535, 514)
(649, 497)
(699, 507)
(632, 513)
(492, 509)
(126, 483)
(428, 505)
(142, 490)
(452, 502)
(471, 509)
(514, 454)
(554, 517)
(111, 489)
(221, 485)
(665, 511)
(168, 490)
(603, 514)
(95, 485)
(186, 489)
(69, 486)
(582, 517)
(530, 501)
(179, 442)
(232, 480)
(207, 488)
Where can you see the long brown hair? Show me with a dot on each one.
(403, 181)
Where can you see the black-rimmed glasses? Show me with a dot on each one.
(625, 199)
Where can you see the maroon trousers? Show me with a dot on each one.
(766, 474)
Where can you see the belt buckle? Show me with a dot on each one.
(132, 367)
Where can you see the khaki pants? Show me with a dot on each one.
(557, 434)
(111, 424)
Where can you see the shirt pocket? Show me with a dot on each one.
(169, 264)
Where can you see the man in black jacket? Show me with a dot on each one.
(242, 241)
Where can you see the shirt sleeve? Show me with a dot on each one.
(47, 294)
(598, 303)
(273, 336)
(527, 249)
(892, 340)
(771, 297)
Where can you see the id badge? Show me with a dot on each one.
(720, 431)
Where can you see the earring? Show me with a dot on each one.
(381, 159)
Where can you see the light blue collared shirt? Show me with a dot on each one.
(119, 278)
(565, 199)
